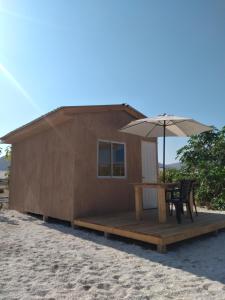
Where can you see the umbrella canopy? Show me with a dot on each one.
(165, 125)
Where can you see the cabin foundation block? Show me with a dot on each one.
(45, 218)
(73, 225)
(161, 248)
(106, 235)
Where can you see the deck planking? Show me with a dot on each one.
(150, 230)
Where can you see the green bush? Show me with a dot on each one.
(171, 175)
(203, 159)
(217, 203)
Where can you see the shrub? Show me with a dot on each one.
(203, 159)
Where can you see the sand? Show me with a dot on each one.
(51, 261)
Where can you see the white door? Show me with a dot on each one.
(149, 173)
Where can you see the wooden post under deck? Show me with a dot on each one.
(106, 235)
(73, 225)
(161, 248)
(45, 218)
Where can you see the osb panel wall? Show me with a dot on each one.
(93, 195)
(42, 173)
(54, 173)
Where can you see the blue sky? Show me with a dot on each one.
(158, 56)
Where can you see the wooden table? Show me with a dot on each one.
(161, 192)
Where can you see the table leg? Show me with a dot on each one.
(162, 205)
(191, 203)
(138, 202)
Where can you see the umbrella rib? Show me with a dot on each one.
(168, 122)
(162, 125)
(158, 124)
(176, 122)
(151, 130)
(172, 123)
(133, 125)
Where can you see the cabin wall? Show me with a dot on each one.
(54, 173)
(42, 173)
(93, 195)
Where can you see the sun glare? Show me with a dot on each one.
(8, 75)
(14, 82)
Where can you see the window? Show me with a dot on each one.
(104, 159)
(118, 159)
(111, 159)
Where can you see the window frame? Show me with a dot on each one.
(125, 159)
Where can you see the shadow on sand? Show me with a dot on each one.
(203, 256)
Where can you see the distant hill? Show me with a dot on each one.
(174, 166)
(4, 164)
(171, 166)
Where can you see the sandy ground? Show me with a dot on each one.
(53, 261)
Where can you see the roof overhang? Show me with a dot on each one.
(61, 115)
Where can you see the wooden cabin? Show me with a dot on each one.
(73, 162)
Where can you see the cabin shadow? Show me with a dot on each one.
(188, 255)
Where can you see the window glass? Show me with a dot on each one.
(118, 158)
(104, 159)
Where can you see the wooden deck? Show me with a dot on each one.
(150, 231)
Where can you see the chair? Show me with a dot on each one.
(179, 197)
(169, 193)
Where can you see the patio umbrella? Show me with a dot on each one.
(165, 125)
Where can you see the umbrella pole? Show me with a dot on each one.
(164, 152)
